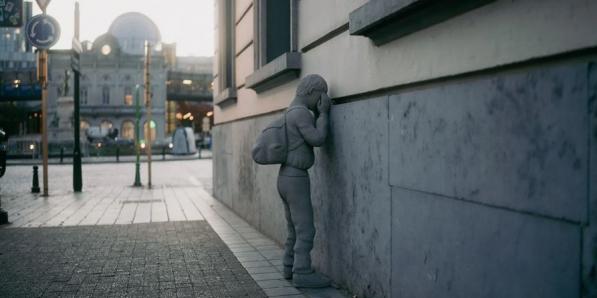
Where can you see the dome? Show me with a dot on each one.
(106, 44)
(132, 30)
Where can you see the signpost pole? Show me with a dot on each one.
(77, 173)
(148, 134)
(43, 79)
(43, 32)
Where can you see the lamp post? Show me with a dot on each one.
(77, 173)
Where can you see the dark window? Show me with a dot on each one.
(226, 75)
(106, 95)
(84, 95)
(277, 60)
(226, 38)
(277, 25)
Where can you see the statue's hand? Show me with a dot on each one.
(323, 105)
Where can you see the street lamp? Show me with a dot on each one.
(32, 148)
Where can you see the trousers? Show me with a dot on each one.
(295, 190)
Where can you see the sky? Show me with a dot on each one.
(189, 23)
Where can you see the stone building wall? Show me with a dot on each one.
(460, 161)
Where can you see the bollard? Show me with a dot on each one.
(164, 153)
(61, 154)
(199, 150)
(35, 187)
(117, 154)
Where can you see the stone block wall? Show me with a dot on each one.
(480, 186)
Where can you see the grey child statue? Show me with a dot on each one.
(307, 126)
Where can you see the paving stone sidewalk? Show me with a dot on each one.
(170, 259)
(114, 240)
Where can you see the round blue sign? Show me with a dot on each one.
(42, 31)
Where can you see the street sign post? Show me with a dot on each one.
(42, 31)
(11, 13)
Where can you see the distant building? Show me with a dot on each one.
(20, 94)
(112, 65)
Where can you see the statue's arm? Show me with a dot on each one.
(314, 132)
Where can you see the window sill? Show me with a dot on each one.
(386, 20)
(226, 97)
(281, 70)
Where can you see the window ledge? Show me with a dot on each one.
(386, 20)
(279, 71)
(226, 97)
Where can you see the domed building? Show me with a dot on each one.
(132, 30)
(111, 67)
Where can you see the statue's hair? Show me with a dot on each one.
(311, 83)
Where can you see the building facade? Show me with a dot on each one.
(461, 155)
(20, 95)
(111, 68)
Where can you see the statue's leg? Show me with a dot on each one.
(298, 197)
(297, 192)
(288, 259)
(289, 245)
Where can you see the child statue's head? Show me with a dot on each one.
(310, 88)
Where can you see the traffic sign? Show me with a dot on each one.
(43, 4)
(11, 13)
(42, 31)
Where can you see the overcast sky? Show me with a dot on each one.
(189, 23)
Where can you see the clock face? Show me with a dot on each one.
(106, 49)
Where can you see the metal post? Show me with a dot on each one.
(61, 154)
(43, 79)
(3, 153)
(137, 131)
(35, 182)
(77, 172)
(117, 154)
(148, 94)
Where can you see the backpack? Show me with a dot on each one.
(271, 146)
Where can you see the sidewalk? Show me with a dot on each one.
(112, 159)
(170, 224)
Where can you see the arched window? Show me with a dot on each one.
(105, 125)
(128, 130)
(84, 126)
(128, 96)
(106, 95)
(151, 133)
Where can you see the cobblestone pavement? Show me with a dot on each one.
(172, 259)
(112, 233)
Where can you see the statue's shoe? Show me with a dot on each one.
(287, 273)
(310, 280)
